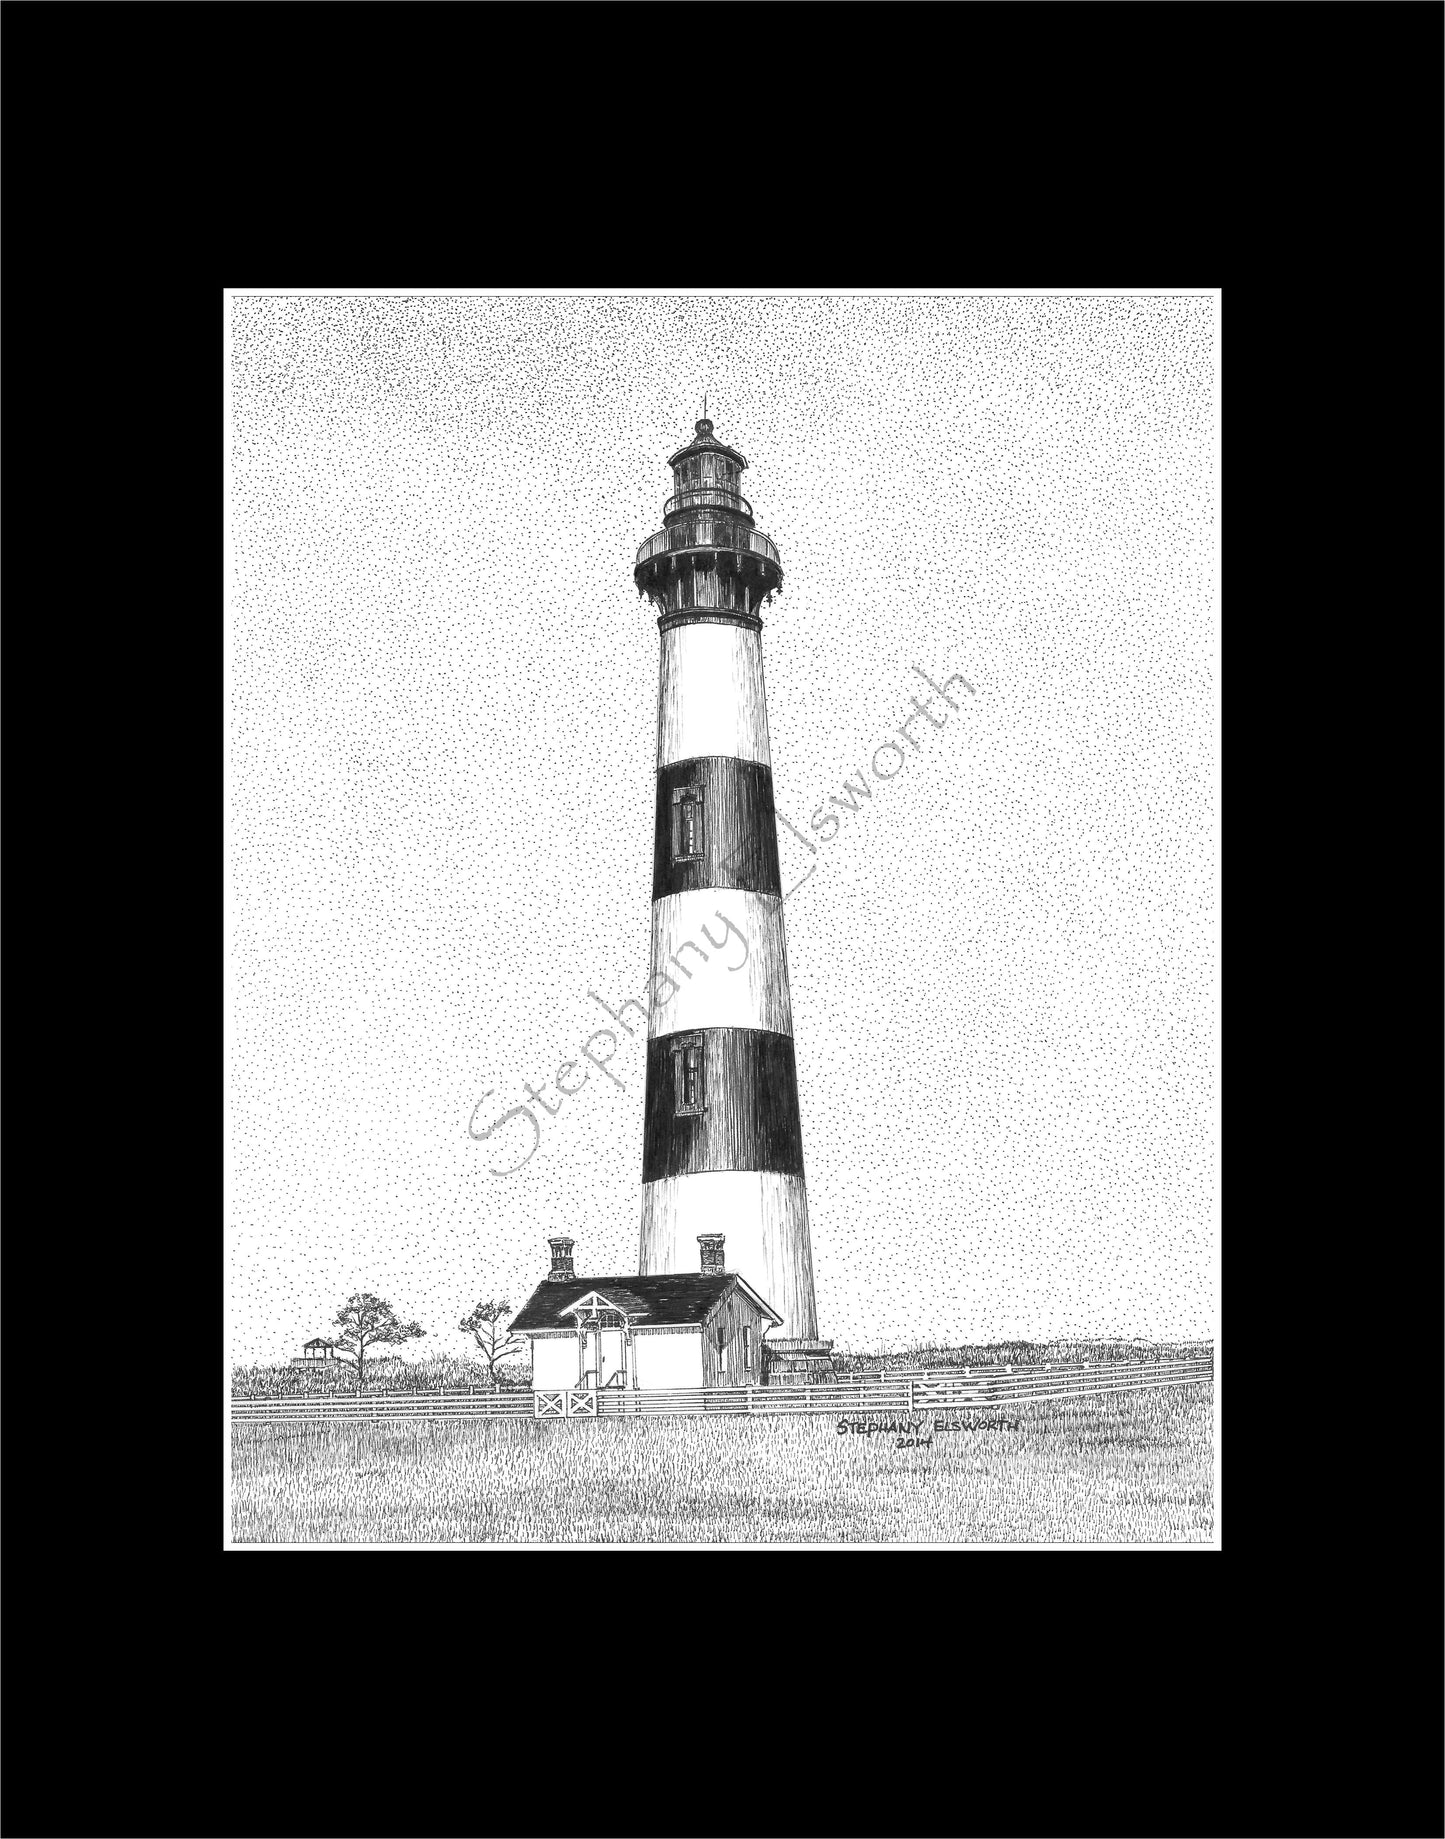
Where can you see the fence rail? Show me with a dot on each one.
(384, 1405)
(947, 1389)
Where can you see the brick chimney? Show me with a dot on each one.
(712, 1253)
(561, 1271)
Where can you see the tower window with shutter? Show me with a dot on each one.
(687, 1059)
(687, 834)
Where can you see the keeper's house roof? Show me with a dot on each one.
(679, 1300)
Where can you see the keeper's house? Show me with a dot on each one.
(682, 1329)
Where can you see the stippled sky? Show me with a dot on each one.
(442, 727)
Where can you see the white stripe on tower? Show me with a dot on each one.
(743, 983)
(710, 699)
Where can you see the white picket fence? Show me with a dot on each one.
(891, 1393)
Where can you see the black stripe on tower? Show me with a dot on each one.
(732, 841)
(737, 1109)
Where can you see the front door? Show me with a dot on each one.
(602, 1353)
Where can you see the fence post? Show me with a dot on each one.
(910, 1398)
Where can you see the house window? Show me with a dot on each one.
(722, 1357)
(747, 1347)
(687, 833)
(689, 1083)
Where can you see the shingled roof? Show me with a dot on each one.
(674, 1301)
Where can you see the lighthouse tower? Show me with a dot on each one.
(722, 1144)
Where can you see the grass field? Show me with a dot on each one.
(1130, 1467)
(325, 1378)
(1017, 1353)
(446, 1371)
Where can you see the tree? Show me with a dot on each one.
(484, 1325)
(366, 1321)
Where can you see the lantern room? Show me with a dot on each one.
(707, 553)
(706, 473)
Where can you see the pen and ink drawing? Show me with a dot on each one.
(1002, 1045)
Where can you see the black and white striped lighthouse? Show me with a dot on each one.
(722, 1145)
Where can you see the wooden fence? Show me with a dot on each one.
(888, 1393)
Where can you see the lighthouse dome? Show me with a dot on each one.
(704, 442)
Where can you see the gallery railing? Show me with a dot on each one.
(707, 497)
(689, 536)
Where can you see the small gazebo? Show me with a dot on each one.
(318, 1349)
